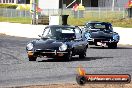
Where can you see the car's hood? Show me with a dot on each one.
(47, 44)
(101, 34)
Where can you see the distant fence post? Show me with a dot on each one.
(123, 13)
(99, 12)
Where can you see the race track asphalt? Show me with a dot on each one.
(16, 70)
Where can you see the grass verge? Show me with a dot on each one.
(117, 22)
(127, 23)
(22, 20)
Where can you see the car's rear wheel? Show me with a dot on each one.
(32, 58)
(112, 45)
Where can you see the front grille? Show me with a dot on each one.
(45, 50)
(99, 40)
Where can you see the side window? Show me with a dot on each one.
(78, 33)
(111, 28)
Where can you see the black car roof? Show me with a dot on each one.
(61, 26)
(98, 22)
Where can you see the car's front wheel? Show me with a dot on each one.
(68, 56)
(83, 54)
(112, 45)
(32, 58)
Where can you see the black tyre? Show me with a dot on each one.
(81, 80)
(68, 56)
(32, 58)
(112, 45)
(83, 54)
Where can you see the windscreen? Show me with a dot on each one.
(59, 33)
(99, 27)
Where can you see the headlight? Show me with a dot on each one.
(87, 36)
(29, 46)
(116, 37)
(63, 47)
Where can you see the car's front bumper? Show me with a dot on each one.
(101, 41)
(47, 53)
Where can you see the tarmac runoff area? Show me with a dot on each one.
(32, 31)
(17, 69)
(17, 72)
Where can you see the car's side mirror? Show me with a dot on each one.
(40, 36)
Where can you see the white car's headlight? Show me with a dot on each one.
(29, 46)
(63, 47)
